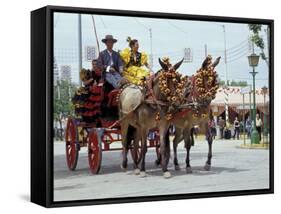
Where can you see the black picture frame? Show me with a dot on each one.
(41, 105)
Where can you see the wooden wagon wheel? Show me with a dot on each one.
(94, 152)
(71, 144)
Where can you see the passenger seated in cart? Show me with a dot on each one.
(136, 67)
(96, 72)
(88, 98)
(112, 68)
(111, 63)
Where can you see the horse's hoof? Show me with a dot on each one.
(142, 174)
(188, 169)
(123, 168)
(177, 167)
(167, 174)
(207, 167)
(137, 171)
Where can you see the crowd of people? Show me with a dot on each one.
(238, 127)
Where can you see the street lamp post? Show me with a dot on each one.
(79, 46)
(244, 139)
(226, 76)
(250, 103)
(253, 62)
(265, 132)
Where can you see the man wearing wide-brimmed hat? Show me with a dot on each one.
(111, 62)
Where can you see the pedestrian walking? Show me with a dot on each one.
(236, 128)
(241, 127)
(258, 125)
(248, 126)
(221, 127)
(57, 130)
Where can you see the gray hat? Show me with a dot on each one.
(109, 37)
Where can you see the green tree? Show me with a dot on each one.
(233, 83)
(239, 83)
(63, 93)
(222, 82)
(257, 39)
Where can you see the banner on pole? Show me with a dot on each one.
(188, 55)
(245, 90)
(90, 53)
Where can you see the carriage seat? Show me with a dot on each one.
(112, 98)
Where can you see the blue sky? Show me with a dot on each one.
(169, 38)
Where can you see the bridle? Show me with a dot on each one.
(150, 97)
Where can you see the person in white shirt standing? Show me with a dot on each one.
(236, 128)
(258, 125)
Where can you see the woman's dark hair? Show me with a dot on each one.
(131, 42)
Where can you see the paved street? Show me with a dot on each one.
(232, 169)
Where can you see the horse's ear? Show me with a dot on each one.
(216, 62)
(177, 65)
(205, 63)
(164, 66)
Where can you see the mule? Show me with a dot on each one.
(201, 113)
(148, 110)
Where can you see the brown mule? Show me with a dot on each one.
(148, 111)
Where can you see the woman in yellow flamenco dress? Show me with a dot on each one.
(136, 67)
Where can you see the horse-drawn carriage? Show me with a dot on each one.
(168, 99)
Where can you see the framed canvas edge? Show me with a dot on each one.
(49, 107)
(154, 14)
(161, 198)
(38, 153)
(49, 116)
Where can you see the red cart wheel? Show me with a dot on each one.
(94, 152)
(71, 144)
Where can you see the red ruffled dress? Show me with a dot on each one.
(87, 99)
